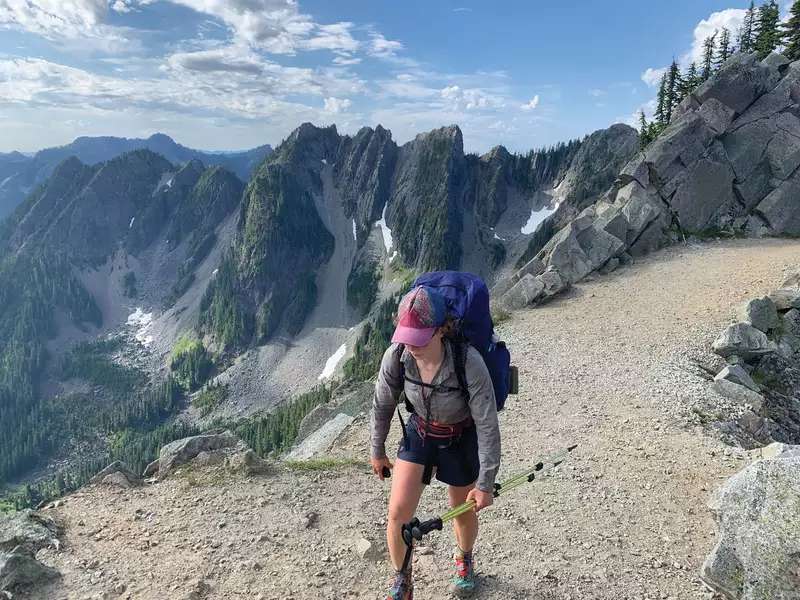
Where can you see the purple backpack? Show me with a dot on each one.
(467, 300)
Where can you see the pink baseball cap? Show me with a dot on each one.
(421, 311)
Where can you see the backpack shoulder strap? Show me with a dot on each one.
(460, 350)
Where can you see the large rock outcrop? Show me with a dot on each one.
(22, 534)
(728, 162)
(757, 554)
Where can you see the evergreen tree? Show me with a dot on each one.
(769, 35)
(708, 55)
(672, 90)
(689, 81)
(746, 33)
(724, 48)
(661, 102)
(791, 32)
(644, 130)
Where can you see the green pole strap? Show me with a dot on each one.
(513, 482)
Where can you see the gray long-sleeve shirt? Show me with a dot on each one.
(446, 406)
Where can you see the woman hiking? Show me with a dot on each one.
(452, 431)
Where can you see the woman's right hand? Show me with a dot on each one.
(379, 464)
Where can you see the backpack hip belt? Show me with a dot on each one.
(434, 429)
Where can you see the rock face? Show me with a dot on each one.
(182, 451)
(763, 375)
(758, 516)
(22, 534)
(726, 163)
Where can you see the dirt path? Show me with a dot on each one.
(607, 367)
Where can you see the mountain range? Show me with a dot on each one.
(21, 173)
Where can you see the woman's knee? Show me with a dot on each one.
(400, 513)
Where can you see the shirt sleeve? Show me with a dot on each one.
(483, 409)
(388, 387)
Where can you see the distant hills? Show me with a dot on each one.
(21, 173)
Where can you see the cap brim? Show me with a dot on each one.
(412, 336)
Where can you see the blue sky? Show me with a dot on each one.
(231, 74)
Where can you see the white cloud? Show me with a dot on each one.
(54, 18)
(337, 37)
(336, 105)
(462, 9)
(531, 104)
(652, 77)
(345, 59)
(731, 18)
(120, 7)
(597, 93)
(470, 99)
(380, 47)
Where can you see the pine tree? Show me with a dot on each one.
(724, 48)
(661, 101)
(769, 35)
(690, 80)
(791, 32)
(708, 56)
(644, 130)
(672, 90)
(746, 36)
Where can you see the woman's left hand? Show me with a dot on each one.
(482, 499)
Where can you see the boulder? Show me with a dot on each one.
(117, 473)
(640, 207)
(791, 322)
(681, 143)
(706, 194)
(783, 154)
(761, 314)
(757, 511)
(28, 529)
(739, 394)
(786, 298)
(249, 463)
(553, 282)
(740, 81)
(636, 170)
(652, 238)
(746, 145)
(781, 98)
(792, 280)
(737, 374)
(717, 115)
(526, 291)
(757, 186)
(744, 340)
(22, 534)
(19, 568)
(182, 451)
(779, 207)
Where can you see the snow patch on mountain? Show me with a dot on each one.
(330, 364)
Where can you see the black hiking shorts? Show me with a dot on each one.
(455, 459)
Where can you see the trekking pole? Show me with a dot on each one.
(416, 530)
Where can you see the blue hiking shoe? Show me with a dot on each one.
(464, 583)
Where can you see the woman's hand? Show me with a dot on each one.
(482, 499)
(379, 464)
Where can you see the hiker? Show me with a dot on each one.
(452, 433)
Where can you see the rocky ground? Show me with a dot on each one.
(615, 366)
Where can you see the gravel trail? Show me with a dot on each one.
(611, 366)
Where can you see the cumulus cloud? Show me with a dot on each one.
(336, 105)
(731, 18)
(55, 18)
(652, 77)
(380, 47)
(531, 104)
(470, 99)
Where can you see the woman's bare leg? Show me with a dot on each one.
(407, 489)
(466, 525)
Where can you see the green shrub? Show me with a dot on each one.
(190, 363)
